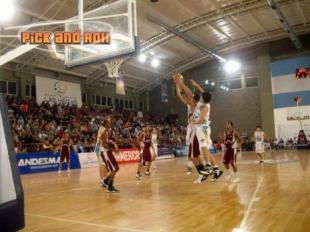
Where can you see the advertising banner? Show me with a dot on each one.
(43, 162)
(89, 159)
(56, 91)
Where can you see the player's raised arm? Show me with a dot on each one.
(182, 99)
(195, 85)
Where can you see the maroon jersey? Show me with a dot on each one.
(147, 142)
(110, 140)
(65, 147)
(229, 139)
(65, 150)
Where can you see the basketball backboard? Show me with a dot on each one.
(119, 21)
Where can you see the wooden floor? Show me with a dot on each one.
(270, 197)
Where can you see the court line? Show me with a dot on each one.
(248, 210)
(84, 223)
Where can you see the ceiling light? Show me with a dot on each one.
(213, 83)
(142, 58)
(232, 66)
(155, 63)
(207, 82)
(6, 10)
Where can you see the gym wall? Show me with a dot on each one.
(285, 87)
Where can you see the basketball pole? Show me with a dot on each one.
(81, 17)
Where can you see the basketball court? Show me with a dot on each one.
(155, 115)
(164, 202)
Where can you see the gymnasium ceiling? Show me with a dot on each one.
(221, 25)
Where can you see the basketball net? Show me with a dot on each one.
(113, 67)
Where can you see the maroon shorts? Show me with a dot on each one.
(147, 156)
(65, 155)
(193, 150)
(230, 156)
(110, 161)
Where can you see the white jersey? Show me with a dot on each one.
(203, 130)
(259, 136)
(154, 139)
(259, 142)
(196, 114)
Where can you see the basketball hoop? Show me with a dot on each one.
(113, 67)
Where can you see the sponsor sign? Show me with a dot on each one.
(56, 91)
(165, 151)
(89, 159)
(43, 162)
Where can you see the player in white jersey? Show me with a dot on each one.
(201, 122)
(102, 168)
(259, 138)
(201, 130)
(190, 100)
(154, 146)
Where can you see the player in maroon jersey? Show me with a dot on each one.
(65, 145)
(146, 157)
(232, 141)
(107, 150)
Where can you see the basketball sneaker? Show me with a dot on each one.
(104, 183)
(112, 189)
(217, 174)
(68, 170)
(189, 170)
(138, 176)
(261, 162)
(204, 178)
(199, 179)
(208, 168)
(148, 173)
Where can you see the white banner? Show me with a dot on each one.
(89, 159)
(56, 91)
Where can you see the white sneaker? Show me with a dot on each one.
(199, 179)
(139, 177)
(59, 171)
(68, 170)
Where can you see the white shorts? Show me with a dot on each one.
(259, 147)
(154, 150)
(203, 134)
(188, 135)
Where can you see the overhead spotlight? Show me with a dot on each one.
(6, 10)
(213, 83)
(207, 82)
(232, 66)
(155, 63)
(142, 58)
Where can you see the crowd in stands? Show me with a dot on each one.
(41, 127)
